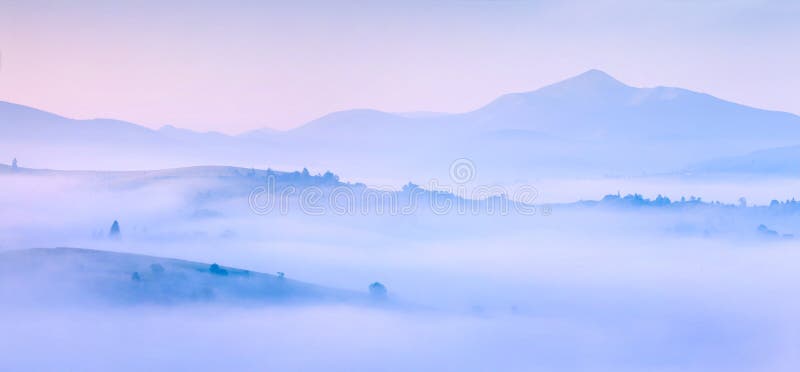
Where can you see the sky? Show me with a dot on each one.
(235, 66)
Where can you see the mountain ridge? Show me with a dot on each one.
(590, 80)
(590, 123)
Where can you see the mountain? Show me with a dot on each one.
(187, 135)
(594, 105)
(587, 125)
(26, 124)
(258, 134)
(782, 161)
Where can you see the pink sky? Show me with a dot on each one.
(232, 68)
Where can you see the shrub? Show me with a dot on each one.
(377, 290)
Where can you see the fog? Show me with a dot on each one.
(341, 338)
(570, 287)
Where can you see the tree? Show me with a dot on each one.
(217, 270)
(14, 164)
(114, 233)
(330, 177)
(377, 291)
(135, 277)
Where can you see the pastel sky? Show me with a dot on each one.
(233, 66)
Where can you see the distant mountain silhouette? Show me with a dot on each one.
(590, 124)
(22, 123)
(782, 161)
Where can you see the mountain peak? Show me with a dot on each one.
(595, 74)
(592, 78)
(590, 84)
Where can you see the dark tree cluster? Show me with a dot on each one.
(217, 270)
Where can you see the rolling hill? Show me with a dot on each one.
(72, 276)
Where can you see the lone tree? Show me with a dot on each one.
(377, 291)
(114, 233)
(14, 164)
(136, 277)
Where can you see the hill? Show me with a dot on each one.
(82, 276)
